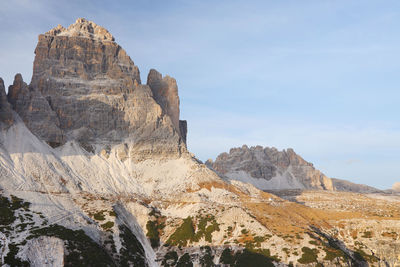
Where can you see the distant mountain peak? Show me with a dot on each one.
(270, 169)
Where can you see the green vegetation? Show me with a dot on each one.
(332, 253)
(18, 203)
(132, 252)
(11, 258)
(83, 251)
(204, 230)
(183, 234)
(8, 208)
(99, 216)
(286, 250)
(112, 213)
(258, 240)
(227, 257)
(299, 237)
(367, 234)
(107, 225)
(360, 255)
(206, 259)
(153, 234)
(309, 255)
(251, 258)
(186, 232)
(247, 257)
(155, 227)
(184, 261)
(170, 259)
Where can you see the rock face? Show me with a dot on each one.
(36, 112)
(90, 202)
(5, 109)
(86, 88)
(270, 169)
(45, 251)
(165, 92)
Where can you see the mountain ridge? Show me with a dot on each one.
(261, 166)
(94, 166)
(268, 169)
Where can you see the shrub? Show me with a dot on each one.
(170, 259)
(227, 257)
(184, 261)
(332, 253)
(152, 233)
(107, 225)
(183, 233)
(99, 216)
(309, 255)
(367, 234)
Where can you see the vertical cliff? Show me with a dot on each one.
(86, 88)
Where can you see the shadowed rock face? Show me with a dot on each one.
(281, 169)
(5, 109)
(35, 111)
(85, 87)
(165, 92)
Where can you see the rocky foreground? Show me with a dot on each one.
(94, 171)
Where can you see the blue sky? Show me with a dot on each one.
(320, 77)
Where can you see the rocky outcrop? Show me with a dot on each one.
(5, 109)
(270, 169)
(35, 111)
(45, 251)
(165, 92)
(86, 88)
(83, 28)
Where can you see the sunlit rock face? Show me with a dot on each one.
(91, 201)
(85, 87)
(270, 169)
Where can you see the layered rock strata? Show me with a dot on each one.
(270, 169)
(86, 88)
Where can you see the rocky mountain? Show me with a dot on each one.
(270, 169)
(343, 185)
(86, 88)
(94, 171)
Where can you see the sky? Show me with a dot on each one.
(320, 77)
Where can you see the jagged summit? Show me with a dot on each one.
(117, 187)
(90, 91)
(270, 169)
(82, 28)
